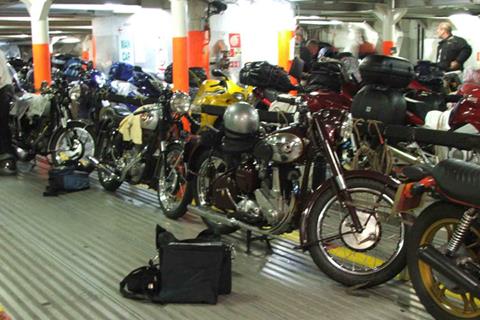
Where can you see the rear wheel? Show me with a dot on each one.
(209, 166)
(442, 298)
(174, 193)
(366, 259)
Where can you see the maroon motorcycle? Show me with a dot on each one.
(444, 243)
(244, 177)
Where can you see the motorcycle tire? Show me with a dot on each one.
(325, 253)
(420, 274)
(87, 144)
(218, 228)
(104, 147)
(181, 208)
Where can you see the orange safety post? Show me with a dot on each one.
(284, 41)
(387, 47)
(180, 46)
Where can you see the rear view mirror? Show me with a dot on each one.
(296, 68)
(219, 73)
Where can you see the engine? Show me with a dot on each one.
(256, 194)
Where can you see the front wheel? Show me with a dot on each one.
(73, 144)
(442, 298)
(367, 258)
(174, 193)
(108, 154)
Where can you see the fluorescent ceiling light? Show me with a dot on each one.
(17, 36)
(115, 8)
(307, 17)
(322, 23)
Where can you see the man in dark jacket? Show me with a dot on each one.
(452, 51)
(7, 158)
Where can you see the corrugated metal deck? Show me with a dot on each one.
(63, 257)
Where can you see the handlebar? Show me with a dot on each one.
(265, 116)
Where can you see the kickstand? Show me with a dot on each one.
(250, 239)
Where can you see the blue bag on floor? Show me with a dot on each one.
(66, 179)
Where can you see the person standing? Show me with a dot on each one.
(302, 51)
(452, 51)
(7, 154)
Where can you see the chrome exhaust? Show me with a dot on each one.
(448, 268)
(404, 156)
(214, 216)
(99, 166)
(22, 154)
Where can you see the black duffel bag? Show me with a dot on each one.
(264, 75)
(190, 271)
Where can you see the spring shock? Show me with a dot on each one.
(461, 230)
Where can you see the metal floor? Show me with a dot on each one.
(63, 257)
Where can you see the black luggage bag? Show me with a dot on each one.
(190, 271)
(264, 75)
(388, 71)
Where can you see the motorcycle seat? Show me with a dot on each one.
(417, 172)
(420, 108)
(459, 180)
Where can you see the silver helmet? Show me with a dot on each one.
(241, 118)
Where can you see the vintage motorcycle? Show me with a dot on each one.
(155, 159)
(43, 125)
(243, 178)
(443, 248)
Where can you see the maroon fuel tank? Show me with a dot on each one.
(326, 99)
(467, 111)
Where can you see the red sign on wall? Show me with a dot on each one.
(234, 40)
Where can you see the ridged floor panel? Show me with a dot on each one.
(63, 257)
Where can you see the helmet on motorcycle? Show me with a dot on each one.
(241, 118)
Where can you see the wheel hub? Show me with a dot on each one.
(360, 241)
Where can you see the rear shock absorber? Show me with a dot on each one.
(461, 230)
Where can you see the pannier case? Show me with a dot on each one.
(379, 103)
(388, 71)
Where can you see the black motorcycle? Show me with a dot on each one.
(43, 125)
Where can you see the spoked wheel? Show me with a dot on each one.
(174, 194)
(210, 166)
(72, 145)
(442, 298)
(366, 259)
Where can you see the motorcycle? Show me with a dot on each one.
(443, 248)
(42, 124)
(220, 93)
(243, 178)
(154, 159)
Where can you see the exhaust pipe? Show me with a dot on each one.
(21, 153)
(449, 269)
(214, 216)
(404, 156)
(94, 161)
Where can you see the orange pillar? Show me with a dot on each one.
(38, 10)
(198, 50)
(284, 41)
(180, 46)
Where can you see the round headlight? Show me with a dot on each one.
(346, 129)
(239, 96)
(180, 103)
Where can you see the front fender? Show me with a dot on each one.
(330, 183)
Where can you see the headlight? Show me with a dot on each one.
(346, 129)
(239, 96)
(180, 103)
